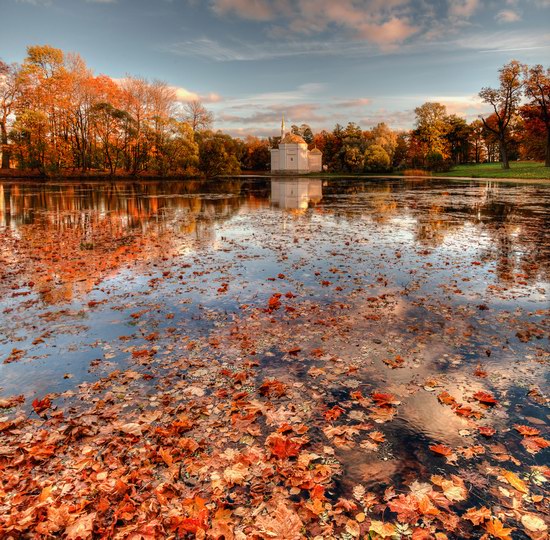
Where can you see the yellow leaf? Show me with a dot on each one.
(384, 530)
(533, 523)
(515, 481)
(235, 474)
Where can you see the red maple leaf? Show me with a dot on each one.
(40, 405)
(283, 447)
(485, 398)
(333, 414)
(441, 449)
(384, 400)
(527, 431)
(406, 508)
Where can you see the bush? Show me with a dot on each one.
(437, 163)
(376, 159)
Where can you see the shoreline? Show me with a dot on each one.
(18, 175)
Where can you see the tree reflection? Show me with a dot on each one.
(66, 238)
(62, 239)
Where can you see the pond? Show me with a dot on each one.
(274, 358)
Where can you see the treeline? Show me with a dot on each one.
(56, 117)
(518, 128)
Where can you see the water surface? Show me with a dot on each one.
(409, 287)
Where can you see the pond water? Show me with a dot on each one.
(358, 321)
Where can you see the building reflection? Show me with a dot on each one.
(296, 193)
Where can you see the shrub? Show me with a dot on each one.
(376, 159)
(437, 163)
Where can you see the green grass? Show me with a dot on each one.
(529, 170)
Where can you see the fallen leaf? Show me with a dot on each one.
(515, 481)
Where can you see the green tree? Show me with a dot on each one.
(304, 131)
(376, 159)
(218, 154)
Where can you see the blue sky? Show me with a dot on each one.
(318, 61)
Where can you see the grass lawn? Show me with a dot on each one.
(518, 169)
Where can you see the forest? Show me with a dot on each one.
(58, 118)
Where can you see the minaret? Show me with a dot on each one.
(283, 127)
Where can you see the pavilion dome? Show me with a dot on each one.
(292, 138)
(315, 151)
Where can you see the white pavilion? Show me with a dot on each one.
(293, 156)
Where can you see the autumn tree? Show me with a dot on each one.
(9, 93)
(197, 116)
(458, 138)
(383, 136)
(42, 125)
(110, 126)
(476, 145)
(256, 156)
(304, 131)
(330, 143)
(537, 90)
(219, 153)
(504, 100)
(432, 128)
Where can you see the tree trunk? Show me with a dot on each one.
(503, 154)
(547, 160)
(6, 154)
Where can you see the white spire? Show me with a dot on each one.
(283, 127)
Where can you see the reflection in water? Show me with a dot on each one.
(296, 193)
(65, 237)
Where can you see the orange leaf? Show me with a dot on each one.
(333, 414)
(515, 481)
(485, 398)
(377, 436)
(478, 515)
(527, 431)
(441, 449)
(282, 447)
(406, 507)
(496, 528)
(384, 400)
(534, 445)
(40, 405)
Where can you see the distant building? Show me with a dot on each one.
(293, 157)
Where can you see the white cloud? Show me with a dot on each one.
(463, 8)
(185, 95)
(507, 16)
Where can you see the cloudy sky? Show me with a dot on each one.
(318, 61)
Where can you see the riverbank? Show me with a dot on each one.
(519, 172)
(17, 174)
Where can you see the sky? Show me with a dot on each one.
(319, 62)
